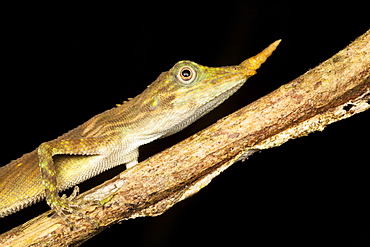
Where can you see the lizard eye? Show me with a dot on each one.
(186, 75)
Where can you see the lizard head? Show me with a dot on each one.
(188, 90)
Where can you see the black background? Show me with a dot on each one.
(63, 64)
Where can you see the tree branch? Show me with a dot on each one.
(336, 89)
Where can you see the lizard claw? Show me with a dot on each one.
(75, 192)
(64, 205)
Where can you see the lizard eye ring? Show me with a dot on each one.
(186, 75)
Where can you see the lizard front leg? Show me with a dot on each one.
(46, 151)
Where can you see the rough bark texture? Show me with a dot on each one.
(334, 90)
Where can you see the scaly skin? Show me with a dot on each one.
(176, 99)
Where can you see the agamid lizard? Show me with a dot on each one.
(174, 100)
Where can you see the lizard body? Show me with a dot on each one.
(174, 100)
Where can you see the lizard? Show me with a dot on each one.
(173, 101)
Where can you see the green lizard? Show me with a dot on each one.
(174, 100)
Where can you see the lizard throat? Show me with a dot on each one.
(204, 109)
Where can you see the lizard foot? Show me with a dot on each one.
(64, 206)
